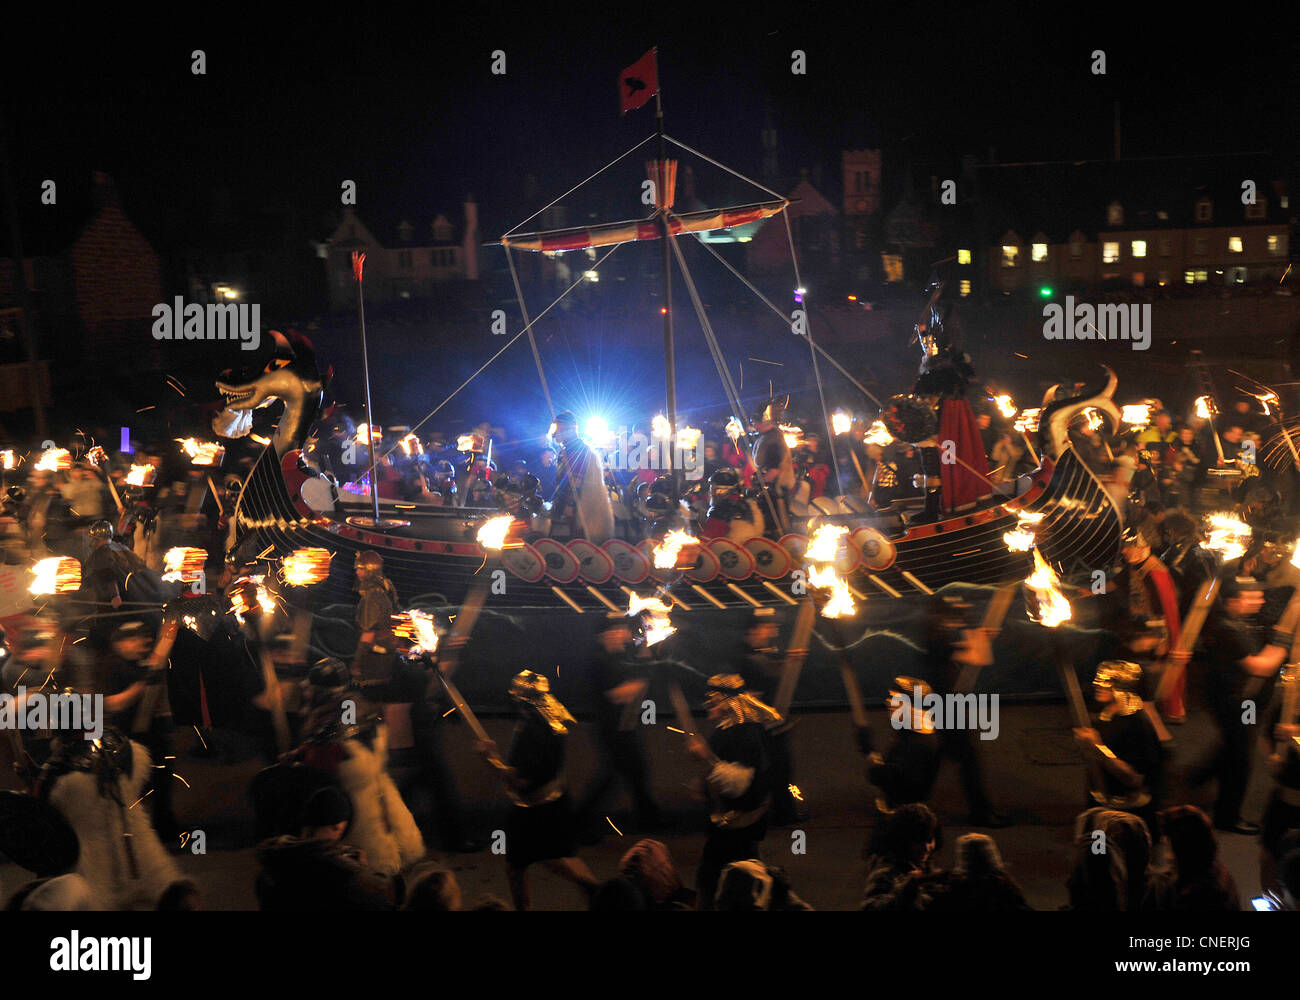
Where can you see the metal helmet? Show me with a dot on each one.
(101, 531)
(528, 483)
(369, 563)
(724, 482)
(1120, 675)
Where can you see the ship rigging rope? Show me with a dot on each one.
(723, 166)
(767, 302)
(532, 341)
(579, 184)
(498, 354)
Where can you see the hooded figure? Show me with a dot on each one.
(580, 485)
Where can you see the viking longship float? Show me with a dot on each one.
(434, 552)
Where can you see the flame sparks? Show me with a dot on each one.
(1227, 535)
(492, 534)
(56, 575)
(1265, 399)
(53, 460)
(251, 592)
(841, 422)
(306, 567)
(1053, 608)
(202, 452)
(184, 564)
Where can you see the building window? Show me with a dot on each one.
(1139, 248)
(1010, 255)
(1276, 246)
(1204, 210)
(1236, 276)
(1257, 210)
(1166, 246)
(1198, 246)
(1189, 277)
(963, 256)
(1139, 279)
(1284, 201)
(893, 266)
(1039, 252)
(1076, 250)
(1115, 214)
(965, 287)
(1109, 253)
(1162, 278)
(1234, 244)
(1162, 215)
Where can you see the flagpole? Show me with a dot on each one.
(661, 196)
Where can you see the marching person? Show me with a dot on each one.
(1125, 745)
(1146, 591)
(541, 825)
(580, 493)
(774, 464)
(906, 772)
(618, 687)
(738, 759)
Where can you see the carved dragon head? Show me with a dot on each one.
(1054, 424)
(291, 377)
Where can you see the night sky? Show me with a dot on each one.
(403, 101)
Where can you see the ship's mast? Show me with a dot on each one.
(661, 198)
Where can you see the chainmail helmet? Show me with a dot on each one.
(532, 691)
(727, 692)
(101, 531)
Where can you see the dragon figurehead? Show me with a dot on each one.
(291, 376)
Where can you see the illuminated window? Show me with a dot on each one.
(893, 266)
(1110, 252)
(1166, 246)
(1010, 255)
(1039, 252)
(1162, 215)
(1284, 201)
(963, 256)
(1139, 279)
(1196, 277)
(1139, 248)
(1189, 277)
(1204, 210)
(1234, 244)
(1115, 214)
(1276, 246)
(965, 286)
(1198, 246)
(1236, 276)
(1202, 277)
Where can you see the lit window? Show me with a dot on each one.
(1276, 246)
(1115, 214)
(1202, 277)
(1189, 277)
(893, 265)
(1010, 255)
(963, 256)
(1039, 252)
(1110, 252)
(1139, 248)
(1198, 245)
(1204, 210)
(1284, 201)
(1237, 276)
(965, 286)
(1234, 244)
(1166, 247)
(1162, 215)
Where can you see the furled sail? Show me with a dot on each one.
(559, 240)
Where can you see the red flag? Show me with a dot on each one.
(358, 262)
(638, 83)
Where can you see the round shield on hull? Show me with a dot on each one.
(875, 551)
(796, 545)
(561, 564)
(771, 561)
(594, 565)
(706, 566)
(630, 566)
(736, 563)
(524, 562)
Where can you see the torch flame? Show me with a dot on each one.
(1227, 535)
(56, 575)
(492, 535)
(660, 428)
(793, 435)
(184, 564)
(658, 628)
(1021, 537)
(825, 544)
(688, 437)
(1136, 414)
(306, 567)
(8, 460)
(411, 444)
(418, 628)
(667, 551)
(841, 601)
(53, 460)
(202, 452)
(735, 429)
(1027, 422)
(141, 475)
(1053, 608)
(1005, 406)
(363, 434)
(841, 422)
(877, 434)
(1204, 407)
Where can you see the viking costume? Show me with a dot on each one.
(771, 457)
(739, 778)
(541, 823)
(1127, 735)
(906, 772)
(1146, 591)
(580, 492)
(375, 657)
(94, 785)
(761, 671)
(1283, 810)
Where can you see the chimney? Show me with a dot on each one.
(470, 246)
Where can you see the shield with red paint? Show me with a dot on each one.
(735, 562)
(875, 551)
(594, 565)
(706, 566)
(561, 564)
(771, 561)
(630, 566)
(524, 562)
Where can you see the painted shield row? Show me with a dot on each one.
(864, 549)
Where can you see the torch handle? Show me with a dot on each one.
(795, 656)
